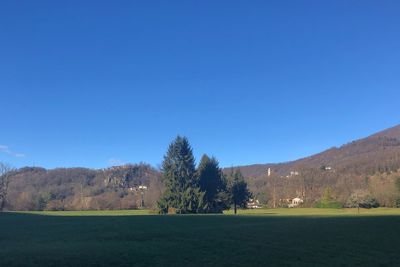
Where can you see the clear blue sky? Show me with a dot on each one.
(94, 83)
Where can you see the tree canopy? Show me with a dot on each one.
(240, 194)
(182, 194)
(212, 183)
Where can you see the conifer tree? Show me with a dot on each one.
(182, 192)
(213, 184)
(240, 194)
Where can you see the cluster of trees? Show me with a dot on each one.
(204, 189)
(358, 199)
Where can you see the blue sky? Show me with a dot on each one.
(96, 83)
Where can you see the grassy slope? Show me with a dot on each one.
(276, 237)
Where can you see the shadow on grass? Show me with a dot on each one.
(196, 240)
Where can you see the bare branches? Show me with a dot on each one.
(5, 174)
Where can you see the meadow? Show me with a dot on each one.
(264, 237)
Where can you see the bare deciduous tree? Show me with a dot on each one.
(5, 174)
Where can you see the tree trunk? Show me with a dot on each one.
(235, 208)
(274, 193)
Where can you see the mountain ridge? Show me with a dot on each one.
(384, 142)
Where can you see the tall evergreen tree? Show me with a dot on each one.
(240, 194)
(179, 174)
(213, 184)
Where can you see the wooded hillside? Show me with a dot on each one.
(33, 188)
(371, 164)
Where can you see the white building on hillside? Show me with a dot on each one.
(253, 204)
(295, 202)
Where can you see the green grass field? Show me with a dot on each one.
(267, 237)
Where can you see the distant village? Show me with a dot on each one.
(291, 201)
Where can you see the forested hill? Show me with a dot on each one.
(370, 165)
(33, 188)
(376, 153)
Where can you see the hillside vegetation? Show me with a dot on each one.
(84, 189)
(370, 166)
